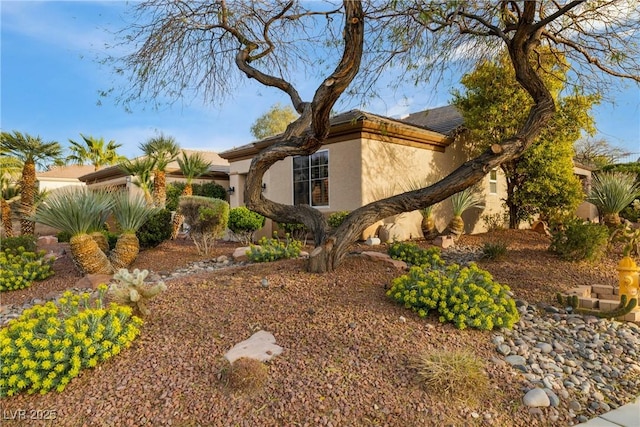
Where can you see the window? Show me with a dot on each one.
(311, 179)
(493, 181)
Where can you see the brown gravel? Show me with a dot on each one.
(346, 353)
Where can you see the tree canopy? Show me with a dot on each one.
(204, 48)
(94, 151)
(273, 122)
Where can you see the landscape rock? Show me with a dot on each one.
(372, 241)
(240, 254)
(47, 240)
(93, 281)
(444, 242)
(385, 259)
(260, 346)
(535, 398)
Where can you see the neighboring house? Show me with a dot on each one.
(585, 210)
(114, 176)
(367, 157)
(62, 176)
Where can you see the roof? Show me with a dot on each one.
(410, 129)
(442, 119)
(66, 172)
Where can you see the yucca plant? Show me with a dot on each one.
(611, 192)
(74, 210)
(462, 201)
(130, 212)
(428, 223)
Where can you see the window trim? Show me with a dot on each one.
(493, 181)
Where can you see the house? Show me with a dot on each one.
(62, 176)
(367, 157)
(114, 176)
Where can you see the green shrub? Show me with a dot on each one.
(20, 268)
(155, 230)
(414, 255)
(27, 242)
(48, 345)
(210, 189)
(464, 296)
(274, 249)
(112, 238)
(63, 236)
(174, 191)
(296, 230)
(632, 212)
(495, 221)
(337, 218)
(244, 223)
(576, 240)
(494, 250)
(207, 217)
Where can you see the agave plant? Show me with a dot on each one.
(130, 212)
(611, 192)
(462, 201)
(74, 210)
(428, 223)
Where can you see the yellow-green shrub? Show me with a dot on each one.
(274, 249)
(48, 345)
(19, 268)
(464, 296)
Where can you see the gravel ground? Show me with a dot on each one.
(346, 347)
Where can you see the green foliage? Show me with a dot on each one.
(465, 296)
(130, 289)
(296, 230)
(337, 218)
(210, 189)
(94, 151)
(611, 192)
(495, 107)
(632, 212)
(416, 256)
(274, 249)
(131, 211)
(495, 221)
(273, 122)
(26, 241)
(242, 219)
(193, 165)
(48, 345)
(494, 250)
(112, 238)
(464, 200)
(207, 217)
(19, 268)
(576, 240)
(155, 230)
(630, 168)
(63, 236)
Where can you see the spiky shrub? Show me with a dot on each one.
(155, 230)
(461, 202)
(576, 240)
(244, 223)
(467, 297)
(337, 218)
(207, 217)
(611, 192)
(246, 374)
(416, 256)
(74, 210)
(130, 289)
(48, 345)
(494, 250)
(20, 268)
(273, 249)
(456, 374)
(130, 212)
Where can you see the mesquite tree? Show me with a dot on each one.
(200, 46)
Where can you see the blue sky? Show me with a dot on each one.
(50, 81)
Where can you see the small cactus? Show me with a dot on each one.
(625, 307)
(130, 289)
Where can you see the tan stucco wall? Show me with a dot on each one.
(50, 184)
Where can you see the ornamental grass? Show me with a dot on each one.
(49, 344)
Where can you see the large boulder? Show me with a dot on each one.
(260, 346)
(398, 228)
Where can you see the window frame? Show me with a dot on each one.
(493, 182)
(310, 179)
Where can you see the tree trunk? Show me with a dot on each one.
(6, 218)
(88, 255)
(27, 197)
(160, 189)
(188, 190)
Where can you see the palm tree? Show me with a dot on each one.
(9, 177)
(192, 167)
(142, 169)
(75, 210)
(611, 192)
(31, 151)
(462, 201)
(130, 212)
(163, 150)
(94, 152)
